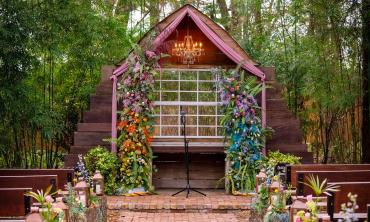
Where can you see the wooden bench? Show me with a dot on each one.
(362, 189)
(13, 202)
(36, 182)
(64, 175)
(331, 176)
(292, 169)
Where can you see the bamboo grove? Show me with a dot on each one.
(52, 51)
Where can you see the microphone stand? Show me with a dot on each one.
(186, 143)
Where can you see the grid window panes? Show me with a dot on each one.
(193, 91)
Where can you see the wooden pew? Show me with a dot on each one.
(13, 202)
(36, 182)
(362, 189)
(64, 175)
(331, 176)
(292, 169)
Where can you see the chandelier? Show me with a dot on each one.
(188, 50)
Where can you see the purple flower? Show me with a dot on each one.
(127, 81)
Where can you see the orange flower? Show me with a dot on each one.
(131, 128)
(121, 124)
(147, 136)
(127, 143)
(137, 120)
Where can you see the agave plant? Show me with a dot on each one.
(41, 196)
(318, 187)
(48, 213)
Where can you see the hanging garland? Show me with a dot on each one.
(135, 123)
(244, 129)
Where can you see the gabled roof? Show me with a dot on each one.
(213, 31)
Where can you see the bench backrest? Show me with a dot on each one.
(362, 189)
(13, 202)
(36, 182)
(64, 175)
(292, 169)
(331, 176)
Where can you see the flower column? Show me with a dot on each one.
(135, 94)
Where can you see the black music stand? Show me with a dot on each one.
(186, 143)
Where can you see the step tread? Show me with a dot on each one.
(94, 127)
(91, 138)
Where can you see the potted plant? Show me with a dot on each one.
(47, 211)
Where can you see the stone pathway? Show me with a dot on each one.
(178, 217)
(216, 206)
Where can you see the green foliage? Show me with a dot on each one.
(261, 204)
(318, 187)
(275, 157)
(107, 163)
(40, 195)
(75, 207)
(50, 62)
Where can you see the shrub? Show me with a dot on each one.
(107, 163)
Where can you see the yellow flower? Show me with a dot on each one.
(57, 210)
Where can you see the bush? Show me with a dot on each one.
(107, 163)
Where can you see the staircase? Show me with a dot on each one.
(96, 124)
(287, 135)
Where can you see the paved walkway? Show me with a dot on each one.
(178, 217)
(216, 206)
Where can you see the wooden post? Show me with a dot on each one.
(263, 107)
(114, 114)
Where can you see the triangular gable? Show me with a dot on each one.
(245, 62)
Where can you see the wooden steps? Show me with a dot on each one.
(96, 125)
(287, 136)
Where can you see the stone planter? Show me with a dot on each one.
(276, 217)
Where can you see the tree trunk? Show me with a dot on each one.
(365, 81)
(154, 13)
(258, 20)
(224, 14)
(235, 18)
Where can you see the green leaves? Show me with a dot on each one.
(318, 187)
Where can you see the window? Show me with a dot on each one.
(193, 91)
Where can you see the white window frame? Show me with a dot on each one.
(179, 103)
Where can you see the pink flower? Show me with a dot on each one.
(307, 215)
(298, 219)
(309, 197)
(48, 199)
(150, 54)
(136, 67)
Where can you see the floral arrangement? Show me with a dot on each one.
(81, 171)
(135, 120)
(243, 128)
(311, 214)
(48, 213)
(348, 209)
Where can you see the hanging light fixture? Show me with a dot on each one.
(188, 50)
